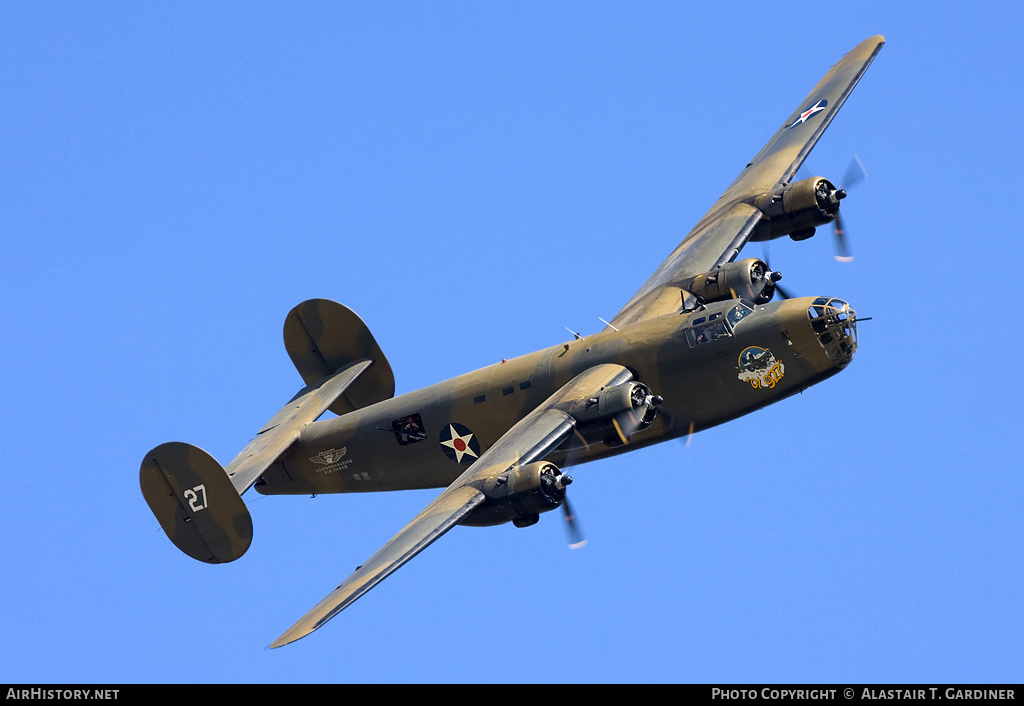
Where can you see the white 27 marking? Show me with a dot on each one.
(196, 498)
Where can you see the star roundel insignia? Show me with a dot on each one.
(816, 108)
(459, 444)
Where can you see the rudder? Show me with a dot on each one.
(195, 503)
(323, 336)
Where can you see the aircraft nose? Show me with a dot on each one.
(834, 322)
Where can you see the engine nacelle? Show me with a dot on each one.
(520, 495)
(802, 206)
(616, 413)
(750, 279)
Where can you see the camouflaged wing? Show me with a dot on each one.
(733, 220)
(531, 439)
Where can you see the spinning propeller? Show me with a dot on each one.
(556, 486)
(576, 539)
(638, 415)
(855, 173)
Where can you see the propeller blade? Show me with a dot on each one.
(855, 173)
(776, 276)
(782, 292)
(576, 539)
(842, 249)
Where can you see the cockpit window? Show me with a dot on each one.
(738, 312)
(716, 326)
(707, 332)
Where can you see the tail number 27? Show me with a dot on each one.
(196, 498)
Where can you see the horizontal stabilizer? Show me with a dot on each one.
(281, 432)
(195, 503)
(199, 504)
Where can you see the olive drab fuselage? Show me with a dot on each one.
(710, 365)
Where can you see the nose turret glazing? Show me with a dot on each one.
(834, 322)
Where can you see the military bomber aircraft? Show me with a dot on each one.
(702, 342)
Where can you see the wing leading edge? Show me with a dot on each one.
(531, 439)
(734, 219)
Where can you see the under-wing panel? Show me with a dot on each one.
(531, 439)
(281, 432)
(438, 517)
(739, 213)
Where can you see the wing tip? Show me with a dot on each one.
(286, 639)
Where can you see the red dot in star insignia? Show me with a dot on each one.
(459, 443)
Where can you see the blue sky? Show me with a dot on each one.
(473, 178)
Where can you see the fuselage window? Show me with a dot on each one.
(409, 430)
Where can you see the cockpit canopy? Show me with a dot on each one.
(717, 325)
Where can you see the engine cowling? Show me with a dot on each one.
(616, 413)
(750, 279)
(520, 495)
(803, 206)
